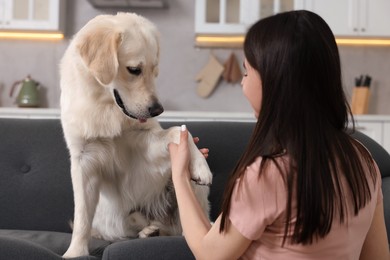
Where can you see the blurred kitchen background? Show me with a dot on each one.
(181, 58)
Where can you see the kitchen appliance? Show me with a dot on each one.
(28, 94)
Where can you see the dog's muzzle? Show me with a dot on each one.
(154, 110)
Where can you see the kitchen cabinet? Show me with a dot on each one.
(39, 15)
(129, 3)
(235, 16)
(375, 126)
(354, 17)
(386, 136)
(372, 129)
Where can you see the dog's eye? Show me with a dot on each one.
(134, 70)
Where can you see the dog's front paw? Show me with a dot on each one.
(200, 171)
(149, 231)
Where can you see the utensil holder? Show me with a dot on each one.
(360, 100)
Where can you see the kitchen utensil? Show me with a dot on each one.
(29, 92)
(361, 95)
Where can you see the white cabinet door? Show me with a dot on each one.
(375, 18)
(235, 16)
(2, 11)
(221, 16)
(386, 136)
(340, 15)
(371, 129)
(31, 15)
(354, 17)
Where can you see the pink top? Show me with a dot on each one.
(258, 211)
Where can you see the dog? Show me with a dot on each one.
(120, 164)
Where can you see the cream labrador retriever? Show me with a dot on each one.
(120, 164)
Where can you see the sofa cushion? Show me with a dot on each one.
(14, 248)
(55, 242)
(174, 247)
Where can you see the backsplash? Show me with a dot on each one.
(179, 65)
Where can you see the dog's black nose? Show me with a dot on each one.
(156, 109)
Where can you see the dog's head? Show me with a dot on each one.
(122, 53)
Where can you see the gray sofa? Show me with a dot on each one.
(36, 200)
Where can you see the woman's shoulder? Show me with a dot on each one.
(278, 163)
(274, 170)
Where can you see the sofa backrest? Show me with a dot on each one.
(226, 142)
(35, 185)
(382, 158)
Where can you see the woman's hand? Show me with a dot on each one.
(180, 156)
(204, 151)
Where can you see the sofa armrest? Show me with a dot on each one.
(382, 158)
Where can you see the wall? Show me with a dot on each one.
(180, 62)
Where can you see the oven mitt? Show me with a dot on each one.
(208, 77)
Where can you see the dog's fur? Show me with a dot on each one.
(120, 164)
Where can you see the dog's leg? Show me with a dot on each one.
(200, 171)
(135, 222)
(149, 231)
(86, 195)
(157, 228)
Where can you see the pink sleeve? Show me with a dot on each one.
(257, 202)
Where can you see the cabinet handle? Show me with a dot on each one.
(355, 29)
(363, 29)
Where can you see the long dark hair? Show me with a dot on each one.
(305, 112)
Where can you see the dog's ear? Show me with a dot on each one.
(99, 50)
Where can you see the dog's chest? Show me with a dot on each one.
(133, 166)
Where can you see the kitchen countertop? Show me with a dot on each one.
(33, 113)
(375, 126)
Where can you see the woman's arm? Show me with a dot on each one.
(205, 241)
(376, 244)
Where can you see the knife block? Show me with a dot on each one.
(360, 100)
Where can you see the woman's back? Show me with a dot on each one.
(263, 221)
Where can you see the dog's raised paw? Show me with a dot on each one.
(149, 231)
(200, 171)
(200, 182)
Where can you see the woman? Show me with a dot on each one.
(303, 189)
